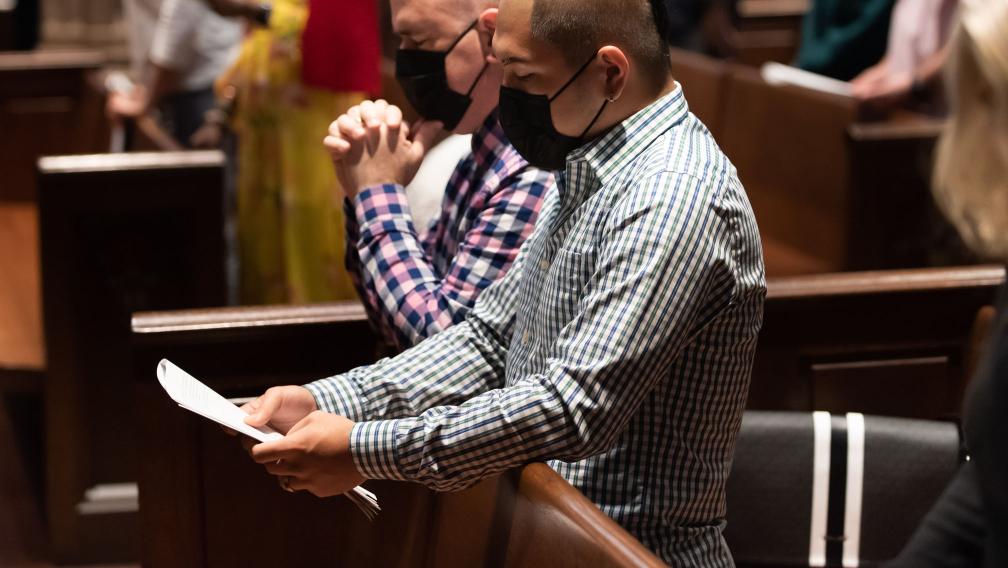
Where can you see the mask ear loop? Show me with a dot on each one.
(575, 76)
(568, 84)
(597, 115)
(460, 36)
(452, 46)
(476, 80)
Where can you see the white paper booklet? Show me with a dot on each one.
(780, 74)
(196, 397)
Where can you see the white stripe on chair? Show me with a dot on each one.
(855, 484)
(820, 488)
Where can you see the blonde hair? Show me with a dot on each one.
(971, 168)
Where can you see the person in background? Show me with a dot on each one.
(969, 524)
(842, 38)
(178, 48)
(910, 69)
(415, 285)
(311, 61)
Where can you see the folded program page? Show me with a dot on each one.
(194, 396)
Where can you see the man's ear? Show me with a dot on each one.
(486, 25)
(617, 67)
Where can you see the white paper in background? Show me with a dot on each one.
(196, 397)
(780, 74)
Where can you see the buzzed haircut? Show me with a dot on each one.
(580, 27)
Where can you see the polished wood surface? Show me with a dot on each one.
(887, 342)
(789, 146)
(21, 345)
(197, 484)
(984, 278)
(47, 106)
(893, 343)
(824, 181)
(553, 524)
(704, 81)
(119, 233)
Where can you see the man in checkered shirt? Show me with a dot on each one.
(415, 282)
(617, 349)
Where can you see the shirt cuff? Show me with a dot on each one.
(379, 203)
(338, 395)
(374, 451)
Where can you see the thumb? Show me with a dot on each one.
(268, 403)
(424, 135)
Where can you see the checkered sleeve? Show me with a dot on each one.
(400, 280)
(447, 369)
(352, 262)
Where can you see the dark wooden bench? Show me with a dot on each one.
(704, 82)
(119, 233)
(831, 192)
(197, 484)
(47, 106)
(752, 32)
(891, 343)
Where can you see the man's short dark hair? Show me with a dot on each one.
(581, 27)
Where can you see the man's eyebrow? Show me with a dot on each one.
(512, 59)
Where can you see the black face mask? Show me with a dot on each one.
(528, 123)
(421, 74)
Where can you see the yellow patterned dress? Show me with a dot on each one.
(290, 219)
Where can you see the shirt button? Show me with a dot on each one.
(544, 265)
(525, 337)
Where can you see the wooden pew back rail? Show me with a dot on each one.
(196, 483)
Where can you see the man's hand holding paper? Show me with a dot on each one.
(314, 456)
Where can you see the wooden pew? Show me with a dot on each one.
(22, 530)
(889, 343)
(832, 193)
(752, 32)
(704, 82)
(789, 147)
(198, 486)
(832, 190)
(7, 33)
(119, 233)
(47, 106)
(893, 343)
(893, 219)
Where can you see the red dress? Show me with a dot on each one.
(341, 46)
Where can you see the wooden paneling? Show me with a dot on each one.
(704, 80)
(21, 344)
(892, 343)
(46, 107)
(790, 148)
(21, 528)
(752, 32)
(196, 482)
(119, 233)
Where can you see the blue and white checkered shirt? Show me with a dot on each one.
(618, 348)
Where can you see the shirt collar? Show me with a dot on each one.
(610, 153)
(488, 141)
